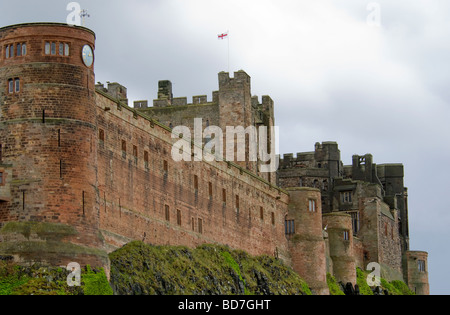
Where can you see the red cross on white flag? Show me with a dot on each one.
(223, 36)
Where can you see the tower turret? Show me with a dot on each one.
(48, 129)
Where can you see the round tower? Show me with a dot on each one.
(417, 272)
(340, 237)
(48, 201)
(305, 235)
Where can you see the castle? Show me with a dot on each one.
(82, 174)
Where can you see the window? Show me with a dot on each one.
(53, 48)
(346, 236)
(101, 135)
(19, 50)
(7, 51)
(224, 196)
(273, 218)
(47, 48)
(146, 159)
(312, 205)
(346, 197)
(355, 222)
(196, 183)
(289, 227)
(167, 213)
(66, 50)
(200, 226)
(24, 49)
(179, 217)
(17, 85)
(166, 167)
(421, 265)
(135, 153)
(11, 51)
(261, 213)
(124, 149)
(11, 86)
(193, 224)
(237, 202)
(210, 188)
(61, 49)
(1, 178)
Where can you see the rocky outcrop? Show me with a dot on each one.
(141, 269)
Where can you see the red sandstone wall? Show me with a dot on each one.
(133, 198)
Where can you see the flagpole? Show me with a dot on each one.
(228, 32)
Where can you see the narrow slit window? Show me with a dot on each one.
(146, 159)
(7, 51)
(193, 224)
(53, 51)
(273, 218)
(210, 188)
(261, 213)
(179, 217)
(101, 135)
(195, 183)
(237, 202)
(167, 210)
(166, 166)
(224, 196)
(312, 205)
(124, 149)
(200, 226)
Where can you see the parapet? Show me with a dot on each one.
(240, 77)
(114, 90)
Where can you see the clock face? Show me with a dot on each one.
(88, 55)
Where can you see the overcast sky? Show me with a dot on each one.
(333, 74)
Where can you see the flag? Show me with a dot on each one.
(223, 35)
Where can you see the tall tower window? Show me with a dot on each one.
(47, 48)
(421, 265)
(66, 50)
(53, 48)
(17, 85)
(7, 52)
(19, 50)
(11, 51)
(312, 205)
(11, 86)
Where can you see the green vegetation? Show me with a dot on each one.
(142, 269)
(333, 286)
(395, 287)
(361, 281)
(38, 280)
